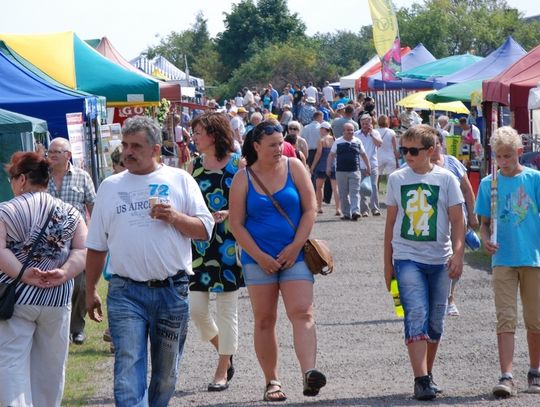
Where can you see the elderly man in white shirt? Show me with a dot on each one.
(371, 139)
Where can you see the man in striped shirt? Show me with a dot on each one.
(74, 186)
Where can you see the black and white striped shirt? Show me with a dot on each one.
(23, 217)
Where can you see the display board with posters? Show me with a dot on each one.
(75, 127)
(110, 138)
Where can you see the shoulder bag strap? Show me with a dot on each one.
(274, 201)
(34, 246)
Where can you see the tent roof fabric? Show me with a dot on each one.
(511, 87)
(458, 91)
(363, 85)
(161, 67)
(167, 90)
(500, 59)
(419, 55)
(11, 122)
(441, 67)
(24, 92)
(18, 60)
(348, 81)
(71, 61)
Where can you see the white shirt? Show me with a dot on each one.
(311, 92)
(474, 131)
(237, 123)
(142, 248)
(370, 147)
(311, 133)
(328, 93)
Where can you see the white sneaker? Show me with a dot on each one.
(452, 310)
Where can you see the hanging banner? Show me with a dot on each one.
(385, 28)
(386, 37)
(391, 62)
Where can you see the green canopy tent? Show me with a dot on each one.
(440, 67)
(459, 91)
(16, 134)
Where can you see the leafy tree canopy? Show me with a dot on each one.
(251, 26)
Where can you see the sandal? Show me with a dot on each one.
(313, 381)
(274, 395)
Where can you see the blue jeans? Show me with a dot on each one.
(137, 312)
(423, 290)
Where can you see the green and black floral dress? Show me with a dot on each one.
(214, 260)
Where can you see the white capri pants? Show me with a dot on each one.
(226, 323)
(33, 354)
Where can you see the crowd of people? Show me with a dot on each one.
(254, 174)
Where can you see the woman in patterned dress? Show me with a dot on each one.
(214, 261)
(34, 341)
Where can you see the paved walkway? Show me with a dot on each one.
(361, 346)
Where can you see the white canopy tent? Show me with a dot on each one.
(347, 82)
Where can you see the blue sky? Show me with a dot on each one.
(133, 25)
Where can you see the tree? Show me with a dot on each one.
(251, 27)
(195, 46)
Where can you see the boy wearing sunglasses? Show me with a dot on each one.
(423, 249)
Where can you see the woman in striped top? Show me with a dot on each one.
(34, 342)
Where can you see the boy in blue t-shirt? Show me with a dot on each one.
(515, 254)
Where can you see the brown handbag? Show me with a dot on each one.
(317, 254)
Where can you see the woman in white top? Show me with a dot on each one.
(388, 155)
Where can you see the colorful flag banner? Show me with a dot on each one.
(386, 37)
(391, 62)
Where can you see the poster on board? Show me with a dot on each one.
(75, 127)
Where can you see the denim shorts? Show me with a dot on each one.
(255, 275)
(322, 174)
(423, 290)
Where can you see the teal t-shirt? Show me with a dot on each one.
(518, 220)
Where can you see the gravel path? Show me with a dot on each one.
(361, 347)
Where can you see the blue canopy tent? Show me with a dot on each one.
(419, 55)
(492, 65)
(22, 91)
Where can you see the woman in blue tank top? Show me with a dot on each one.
(272, 255)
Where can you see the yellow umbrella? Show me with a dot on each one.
(418, 101)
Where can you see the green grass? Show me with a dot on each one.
(84, 360)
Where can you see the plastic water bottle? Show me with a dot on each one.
(472, 240)
(394, 290)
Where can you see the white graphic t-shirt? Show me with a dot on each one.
(423, 201)
(142, 248)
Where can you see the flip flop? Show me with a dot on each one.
(313, 381)
(268, 394)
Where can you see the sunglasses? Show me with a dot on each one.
(268, 130)
(413, 150)
(294, 128)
